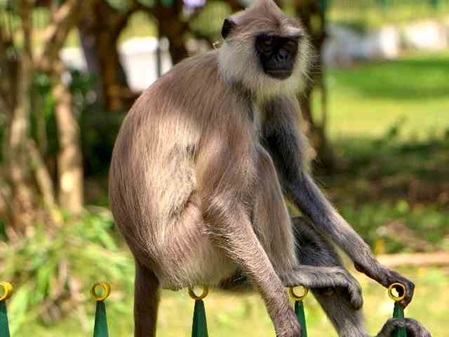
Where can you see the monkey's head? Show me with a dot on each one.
(264, 50)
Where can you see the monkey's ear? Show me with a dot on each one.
(228, 26)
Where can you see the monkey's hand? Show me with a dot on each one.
(413, 327)
(386, 277)
(326, 277)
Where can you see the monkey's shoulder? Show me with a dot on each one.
(195, 86)
(198, 70)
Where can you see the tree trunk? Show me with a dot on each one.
(22, 205)
(173, 28)
(99, 30)
(69, 161)
(178, 50)
(314, 20)
(28, 186)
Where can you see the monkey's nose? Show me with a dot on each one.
(283, 55)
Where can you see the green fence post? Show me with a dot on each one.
(6, 290)
(299, 308)
(100, 291)
(199, 324)
(398, 311)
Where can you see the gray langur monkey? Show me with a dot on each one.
(197, 175)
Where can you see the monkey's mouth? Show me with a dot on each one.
(279, 74)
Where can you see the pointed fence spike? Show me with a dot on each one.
(199, 323)
(6, 290)
(99, 292)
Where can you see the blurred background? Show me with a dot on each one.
(377, 114)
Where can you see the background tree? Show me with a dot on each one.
(313, 16)
(99, 29)
(29, 192)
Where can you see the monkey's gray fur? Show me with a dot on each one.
(198, 171)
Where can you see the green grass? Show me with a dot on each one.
(389, 125)
(363, 15)
(366, 100)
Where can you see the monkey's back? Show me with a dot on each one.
(154, 167)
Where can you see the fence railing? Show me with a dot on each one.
(100, 292)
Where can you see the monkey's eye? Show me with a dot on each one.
(291, 45)
(265, 43)
(268, 41)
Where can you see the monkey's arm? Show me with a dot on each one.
(316, 250)
(285, 143)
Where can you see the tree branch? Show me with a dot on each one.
(63, 20)
(122, 20)
(43, 179)
(235, 5)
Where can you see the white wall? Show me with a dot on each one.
(346, 45)
(138, 57)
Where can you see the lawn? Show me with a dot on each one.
(389, 124)
(368, 99)
(366, 14)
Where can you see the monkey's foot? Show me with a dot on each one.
(413, 327)
(326, 277)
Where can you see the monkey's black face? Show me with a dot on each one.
(277, 54)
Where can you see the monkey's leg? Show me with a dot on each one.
(313, 204)
(235, 235)
(315, 250)
(273, 227)
(284, 142)
(146, 302)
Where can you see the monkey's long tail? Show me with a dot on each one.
(146, 302)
